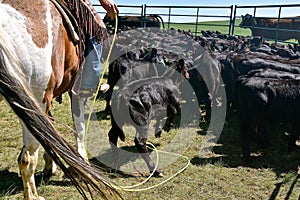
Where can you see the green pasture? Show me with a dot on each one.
(221, 26)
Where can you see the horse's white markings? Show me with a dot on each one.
(14, 25)
(29, 46)
(20, 42)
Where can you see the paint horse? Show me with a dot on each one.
(38, 60)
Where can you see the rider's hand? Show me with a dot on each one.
(111, 8)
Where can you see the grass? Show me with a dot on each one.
(221, 175)
(273, 174)
(221, 26)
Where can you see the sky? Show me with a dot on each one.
(266, 12)
(203, 2)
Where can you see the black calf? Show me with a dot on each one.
(143, 63)
(136, 104)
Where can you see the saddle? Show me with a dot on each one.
(72, 26)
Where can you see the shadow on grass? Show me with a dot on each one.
(123, 159)
(102, 115)
(278, 186)
(109, 158)
(275, 157)
(11, 182)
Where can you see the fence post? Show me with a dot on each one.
(277, 27)
(230, 21)
(234, 18)
(143, 22)
(196, 29)
(169, 17)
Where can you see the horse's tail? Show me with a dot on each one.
(84, 176)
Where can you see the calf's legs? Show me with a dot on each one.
(140, 143)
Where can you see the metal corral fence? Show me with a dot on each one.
(191, 18)
(273, 11)
(224, 19)
(194, 17)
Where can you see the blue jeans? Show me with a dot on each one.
(91, 69)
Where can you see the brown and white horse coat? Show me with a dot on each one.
(34, 31)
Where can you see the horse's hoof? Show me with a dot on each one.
(49, 173)
(34, 197)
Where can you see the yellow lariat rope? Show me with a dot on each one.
(102, 75)
(133, 187)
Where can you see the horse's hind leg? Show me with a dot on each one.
(27, 161)
(50, 168)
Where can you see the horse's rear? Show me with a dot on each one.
(38, 57)
(64, 61)
(65, 65)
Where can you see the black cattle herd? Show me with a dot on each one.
(261, 80)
